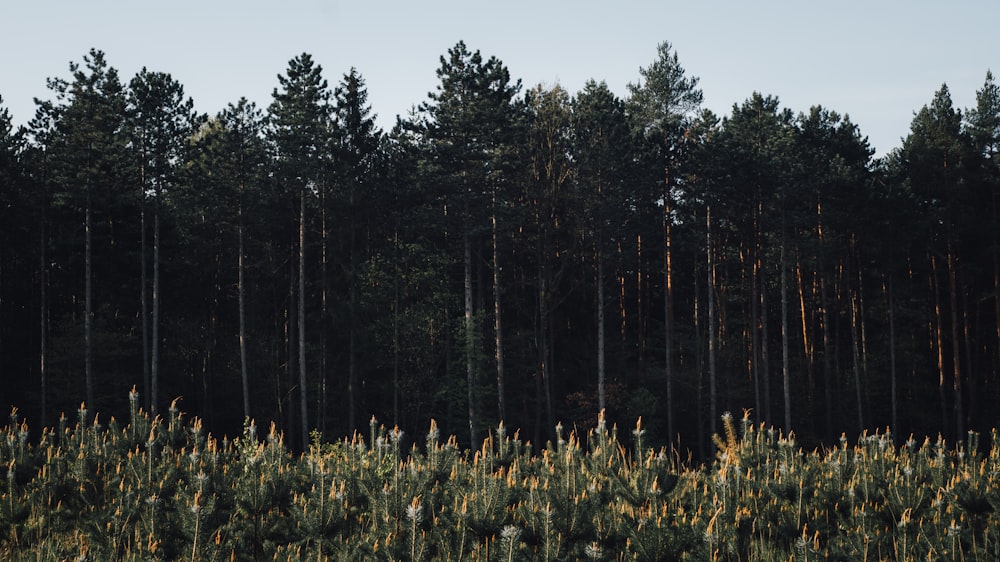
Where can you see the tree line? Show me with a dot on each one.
(525, 255)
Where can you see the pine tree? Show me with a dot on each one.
(660, 107)
(87, 148)
(299, 128)
(356, 143)
(464, 126)
(161, 122)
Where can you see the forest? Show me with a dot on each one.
(504, 253)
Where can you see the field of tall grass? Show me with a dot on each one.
(164, 489)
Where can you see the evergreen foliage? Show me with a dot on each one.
(163, 489)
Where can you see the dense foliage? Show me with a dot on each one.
(525, 255)
(164, 489)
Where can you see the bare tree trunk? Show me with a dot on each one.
(395, 332)
(470, 369)
(765, 353)
(712, 324)
(640, 311)
(937, 343)
(241, 281)
(291, 356)
(856, 358)
(785, 375)
(825, 319)
(996, 283)
(154, 367)
(892, 355)
(755, 337)
(88, 319)
(43, 316)
(544, 364)
(497, 324)
(807, 345)
(622, 308)
(601, 398)
(699, 353)
(956, 345)
(302, 320)
(668, 295)
(972, 411)
(322, 408)
(144, 292)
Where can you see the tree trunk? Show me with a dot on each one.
(324, 310)
(470, 368)
(154, 366)
(241, 282)
(303, 394)
(826, 326)
(88, 318)
(755, 337)
(712, 324)
(395, 329)
(856, 358)
(937, 343)
(785, 375)
(601, 399)
(147, 381)
(996, 282)
(956, 345)
(807, 346)
(497, 324)
(291, 357)
(640, 311)
(544, 384)
(43, 323)
(700, 354)
(354, 379)
(668, 360)
(892, 356)
(765, 353)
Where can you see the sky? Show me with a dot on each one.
(878, 61)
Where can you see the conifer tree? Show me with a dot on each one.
(601, 145)
(660, 107)
(161, 122)
(356, 144)
(299, 128)
(87, 148)
(465, 121)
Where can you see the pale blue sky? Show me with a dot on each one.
(878, 61)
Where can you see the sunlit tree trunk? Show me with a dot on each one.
(807, 346)
(668, 359)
